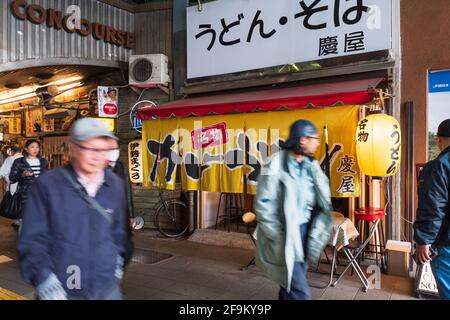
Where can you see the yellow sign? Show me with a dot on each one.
(109, 122)
(226, 153)
(15, 125)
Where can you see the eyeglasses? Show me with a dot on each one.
(93, 150)
(316, 138)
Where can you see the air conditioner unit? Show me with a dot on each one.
(149, 70)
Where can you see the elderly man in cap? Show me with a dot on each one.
(432, 225)
(293, 211)
(73, 237)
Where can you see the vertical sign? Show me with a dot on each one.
(33, 122)
(135, 161)
(15, 125)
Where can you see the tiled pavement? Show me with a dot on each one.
(200, 271)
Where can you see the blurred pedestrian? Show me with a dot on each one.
(293, 212)
(13, 154)
(73, 238)
(5, 170)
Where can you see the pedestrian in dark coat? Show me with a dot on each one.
(73, 238)
(26, 170)
(432, 225)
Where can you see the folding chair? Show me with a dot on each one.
(334, 258)
(333, 268)
(353, 258)
(249, 218)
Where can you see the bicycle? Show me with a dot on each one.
(170, 217)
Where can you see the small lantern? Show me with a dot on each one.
(378, 145)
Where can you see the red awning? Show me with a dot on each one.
(323, 95)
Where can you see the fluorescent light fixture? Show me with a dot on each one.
(66, 81)
(18, 98)
(70, 86)
(30, 92)
(18, 92)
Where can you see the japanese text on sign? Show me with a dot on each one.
(210, 136)
(227, 35)
(135, 161)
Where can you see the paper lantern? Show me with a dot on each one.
(378, 145)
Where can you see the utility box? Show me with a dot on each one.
(398, 258)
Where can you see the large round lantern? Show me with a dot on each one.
(378, 145)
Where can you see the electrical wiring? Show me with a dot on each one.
(133, 110)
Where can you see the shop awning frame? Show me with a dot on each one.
(313, 96)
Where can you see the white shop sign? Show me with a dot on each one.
(236, 35)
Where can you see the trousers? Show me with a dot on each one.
(299, 283)
(440, 265)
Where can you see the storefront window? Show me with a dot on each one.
(438, 106)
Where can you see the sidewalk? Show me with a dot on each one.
(181, 269)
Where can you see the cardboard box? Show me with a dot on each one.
(398, 258)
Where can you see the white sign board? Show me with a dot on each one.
(425, 282)
(108, 102)
(135, 161)
(236, 35)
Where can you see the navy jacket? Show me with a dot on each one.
(432, 221)
(61, 231)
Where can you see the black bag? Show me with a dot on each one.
(10, 206)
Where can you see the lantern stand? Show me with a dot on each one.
(378, 145)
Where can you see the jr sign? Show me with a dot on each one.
(236, 35)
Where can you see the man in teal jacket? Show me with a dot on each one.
(293, 210)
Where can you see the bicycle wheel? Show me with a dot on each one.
(174, 221)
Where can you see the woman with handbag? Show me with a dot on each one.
(26, 170)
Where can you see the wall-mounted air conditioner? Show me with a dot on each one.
(149, 70)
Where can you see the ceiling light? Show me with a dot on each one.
(70, 86)
(18, 98)
(15, 93)
(66, 80)
(45, 92)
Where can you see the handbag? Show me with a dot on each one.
(10, 207)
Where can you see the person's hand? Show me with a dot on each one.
(51, 289)
(27, 173)
(423, 253)
(119, 267)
